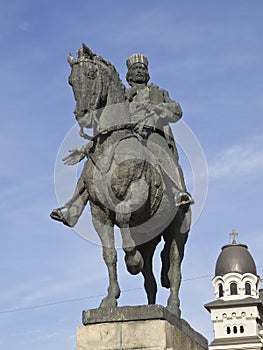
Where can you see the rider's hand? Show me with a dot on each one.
(75, 156)
(155, 109)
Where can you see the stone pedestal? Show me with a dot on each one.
(150, 327)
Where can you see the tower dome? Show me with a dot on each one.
(237, 311)
(235, 258)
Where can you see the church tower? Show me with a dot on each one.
(237, 311)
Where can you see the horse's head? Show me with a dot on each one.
(86, 82)
(95, 84)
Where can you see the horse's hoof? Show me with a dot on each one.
(134, 263)
(174, 309)
(108, 302)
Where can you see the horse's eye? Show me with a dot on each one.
(92, 74)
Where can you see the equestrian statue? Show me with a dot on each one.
(131, 177)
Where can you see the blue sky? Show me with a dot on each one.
(209, 55)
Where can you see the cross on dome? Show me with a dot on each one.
(234, 235)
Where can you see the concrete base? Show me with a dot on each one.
(150, 327)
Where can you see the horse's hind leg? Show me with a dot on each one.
(175, 277)
(175, 240)
(105, 230)
(147, 250)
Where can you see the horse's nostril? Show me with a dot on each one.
(85, 111)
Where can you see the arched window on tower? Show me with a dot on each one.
(233, 288)
(220, 290)
(247, 288)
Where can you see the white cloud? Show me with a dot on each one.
(239, 160)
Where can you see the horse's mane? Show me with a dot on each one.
(109, 74)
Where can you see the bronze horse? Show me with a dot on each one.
(125, 183)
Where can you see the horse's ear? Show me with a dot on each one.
(71, 59)
(87, 51)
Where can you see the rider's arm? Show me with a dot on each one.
(172, 110)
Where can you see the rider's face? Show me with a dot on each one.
(138, 73)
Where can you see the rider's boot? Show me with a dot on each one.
(182, 197)
(68, 217)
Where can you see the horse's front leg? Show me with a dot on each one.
(133, 258)
(106, 234)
